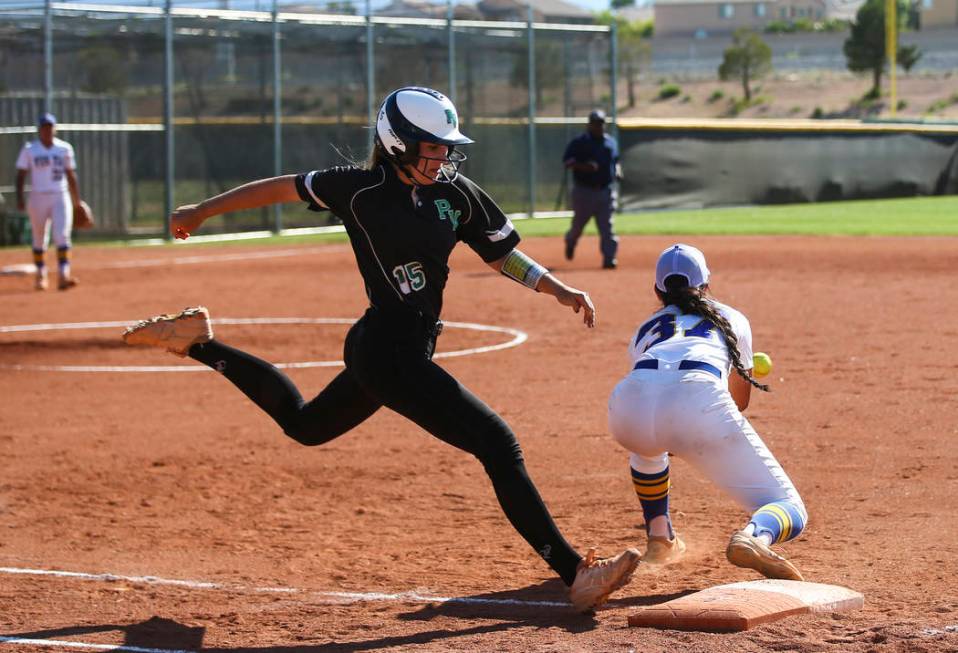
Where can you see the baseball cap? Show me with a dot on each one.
(597, 116)
(685, 261)
(47, 119)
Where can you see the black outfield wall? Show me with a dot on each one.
(675, 164)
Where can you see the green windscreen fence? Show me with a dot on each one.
(712, 163)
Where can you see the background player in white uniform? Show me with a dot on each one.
(54, 193)
(689, 383)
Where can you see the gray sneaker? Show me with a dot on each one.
(597, 578)
(174, 332)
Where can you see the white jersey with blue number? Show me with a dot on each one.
(670, 336)
(47, 165)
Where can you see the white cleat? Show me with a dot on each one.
(597, 578)
(175, 333)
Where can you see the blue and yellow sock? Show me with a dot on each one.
(653, 493)
(63, 260)
(38, 261)
(781, 520)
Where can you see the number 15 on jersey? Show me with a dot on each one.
(410, 277)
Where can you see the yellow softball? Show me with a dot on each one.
(762, 364)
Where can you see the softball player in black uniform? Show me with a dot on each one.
(404, 214)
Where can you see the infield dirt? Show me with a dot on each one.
(177, 475)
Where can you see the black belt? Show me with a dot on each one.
(653, 364)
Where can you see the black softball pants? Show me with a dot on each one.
(396, 371)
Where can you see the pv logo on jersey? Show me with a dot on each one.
(447, 212)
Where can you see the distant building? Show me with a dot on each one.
(348, 7)
(808, 9)
(704, 17)
(845, 10)
(637, 13)
(423, 9)
(938, 13)
(547, 11)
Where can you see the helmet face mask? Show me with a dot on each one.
(413, 115)
(448, 168)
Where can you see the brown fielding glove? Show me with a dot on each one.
(82, 216)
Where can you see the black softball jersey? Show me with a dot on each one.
(403, 235)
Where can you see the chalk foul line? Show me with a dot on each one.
(60, 643)
(336, 597)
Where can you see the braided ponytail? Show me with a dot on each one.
(693, 301)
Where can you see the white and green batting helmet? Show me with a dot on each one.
(414, 114)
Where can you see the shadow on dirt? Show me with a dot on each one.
(526, 607)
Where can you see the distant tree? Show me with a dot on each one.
(913, 20)
(550, 68)
(865, 47)
(908, 56)
(748, 59)
(633, 48)
(619, 4)
(105, 69)
(341, 7)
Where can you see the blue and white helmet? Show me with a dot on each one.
(413, 114)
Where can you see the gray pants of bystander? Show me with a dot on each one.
(586, 203)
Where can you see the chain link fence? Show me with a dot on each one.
(209, 98)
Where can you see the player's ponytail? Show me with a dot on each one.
(376, 157)
(694, 302)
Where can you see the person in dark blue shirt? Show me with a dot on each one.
(593, 158)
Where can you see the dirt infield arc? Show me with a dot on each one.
(177, 476)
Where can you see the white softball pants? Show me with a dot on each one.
(692, 415)
(45, 209)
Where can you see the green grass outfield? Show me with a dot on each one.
(923, 216)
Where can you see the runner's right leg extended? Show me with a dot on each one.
(342, 404)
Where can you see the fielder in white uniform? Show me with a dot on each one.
(685, 396)
(54, 193)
